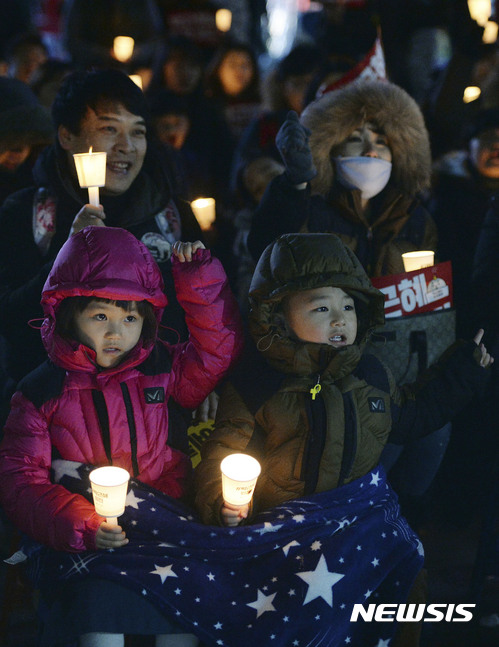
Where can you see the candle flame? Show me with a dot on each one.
(90, 150)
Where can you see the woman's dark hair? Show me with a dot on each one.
(213, 85)
(71, 306)
(95, 89)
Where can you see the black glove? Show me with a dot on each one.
(292, 144)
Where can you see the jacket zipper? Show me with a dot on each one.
(314, 448)
(349, 439)
(131, 426)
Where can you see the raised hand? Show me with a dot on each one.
(86, 216)
(292, 144)
(184, 251)
(486, 358)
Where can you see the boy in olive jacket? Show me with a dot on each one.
(306, 401)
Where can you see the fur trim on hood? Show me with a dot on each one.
(337, 114)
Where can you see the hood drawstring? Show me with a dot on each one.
(274, 335)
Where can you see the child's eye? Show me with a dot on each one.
(349, 307)
(100, 317)
(321, 309)
(130, 319)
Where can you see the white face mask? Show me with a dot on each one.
(369, 174)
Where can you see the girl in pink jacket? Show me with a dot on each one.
(102, 396)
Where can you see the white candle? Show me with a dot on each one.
(109, 489)
(91, 170)
(123, 48)
(204, 210)
(239, 475)
(418, 260)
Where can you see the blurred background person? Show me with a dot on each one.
(232, 81)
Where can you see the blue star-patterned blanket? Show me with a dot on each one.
(290, 578)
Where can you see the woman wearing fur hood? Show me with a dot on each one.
(356, 161)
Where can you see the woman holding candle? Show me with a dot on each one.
(102, 398)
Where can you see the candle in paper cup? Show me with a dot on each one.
(109, 489)
(418, 260)
(123, 48)
(91, 170)
(204, 210)
(239, 475)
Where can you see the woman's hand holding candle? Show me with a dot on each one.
(109, 536)
(232, 515)
(86, 216)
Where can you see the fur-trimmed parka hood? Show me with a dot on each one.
(297, 262)
(337, 114)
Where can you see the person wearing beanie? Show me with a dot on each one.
(356, 162)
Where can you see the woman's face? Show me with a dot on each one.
(366, 141)
(236, 72)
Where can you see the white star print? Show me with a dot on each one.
(164, 572)
(375, 479)
(217, 626)
(316, 545)
(320, 582)
(211, 577)
(268, 527)
(262, 603)
(65, 468)
(285, 549)
(383, 643)
(299, 518)
(367, 593)
(132, 501)
(375, 562)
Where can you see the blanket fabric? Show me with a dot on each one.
(290, 578)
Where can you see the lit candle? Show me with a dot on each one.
(204, 210)
(91, 170)
(239, 475)
(123, 48)
(109, 488)
(418, 260)
(223, 19)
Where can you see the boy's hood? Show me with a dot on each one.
(303, 262)
(105, 262)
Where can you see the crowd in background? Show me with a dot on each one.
(217, 101)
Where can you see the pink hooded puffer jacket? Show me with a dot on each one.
(72, 409)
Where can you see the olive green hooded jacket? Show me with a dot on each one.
(311, 443)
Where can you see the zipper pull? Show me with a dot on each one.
(317, 388)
